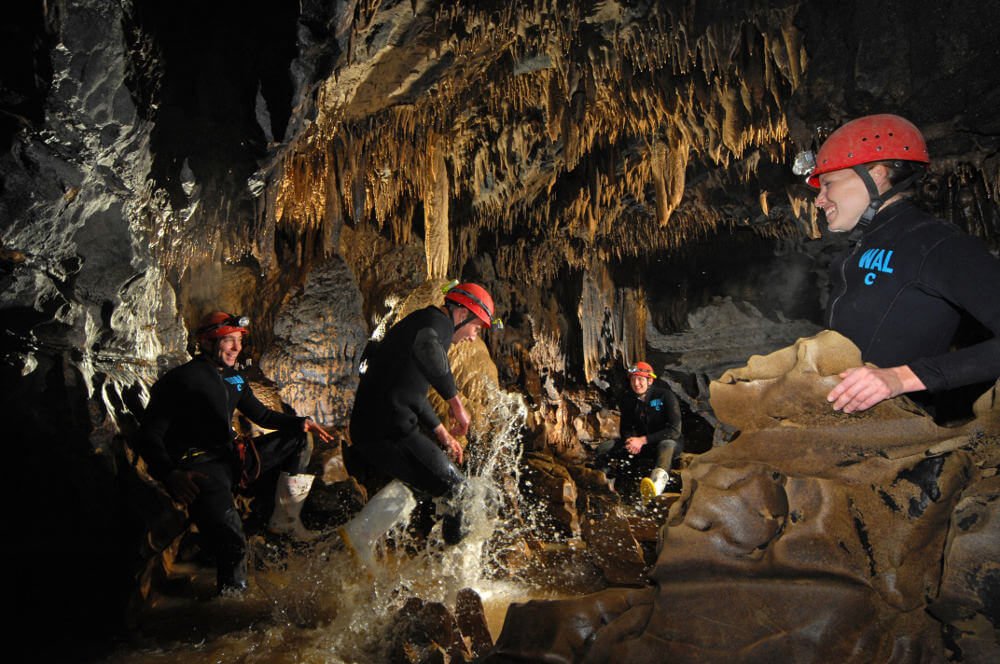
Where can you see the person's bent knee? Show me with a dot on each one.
(302, 449)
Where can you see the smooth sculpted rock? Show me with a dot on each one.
(814, 536)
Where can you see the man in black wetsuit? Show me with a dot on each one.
(391, 403)
(189, 444)
(650, 428)
(899, 290)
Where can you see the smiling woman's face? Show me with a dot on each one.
(843, 198)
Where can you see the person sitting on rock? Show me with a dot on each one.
(898, 292)
(391, 404)
(188, 442)
(650, 428)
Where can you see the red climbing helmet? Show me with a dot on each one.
(218, 324)
(641, 369)
(474, 298)
(867, 139)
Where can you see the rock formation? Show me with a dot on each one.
(833, 537)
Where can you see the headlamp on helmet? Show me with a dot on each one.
(218, 324)
(641, 369)
(804, 164)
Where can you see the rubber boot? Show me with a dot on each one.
(386, 508)
(230, 549)
(652, 486)
(453, 529)
(289, 496)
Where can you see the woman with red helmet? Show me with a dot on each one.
(900, 289)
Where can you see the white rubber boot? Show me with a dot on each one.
(652, 486)
(289, 496)
(386, 508)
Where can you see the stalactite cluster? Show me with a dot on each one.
(580, 131)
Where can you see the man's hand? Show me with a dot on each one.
(182, 485)
(861, 388)
(311, 427)
(634, 444)
(451, 446)
(459, 415)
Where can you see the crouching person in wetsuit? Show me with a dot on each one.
(190, 446)
(391, 405)
(650, 427)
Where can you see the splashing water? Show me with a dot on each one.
(315, 604)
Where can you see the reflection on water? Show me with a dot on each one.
(314, 604)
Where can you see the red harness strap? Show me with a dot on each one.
(243, 444)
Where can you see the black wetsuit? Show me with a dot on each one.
(898, 293)
(391, 403)
(188, 426)
(655, 415)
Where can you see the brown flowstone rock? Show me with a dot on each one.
(550, 488)
(814, 536)
(471, 619)
(319, 338)
(969, 598)
(427, 632)
(565, 630)
(608, 533)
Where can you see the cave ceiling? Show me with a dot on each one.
(534, 142)
(560, 134)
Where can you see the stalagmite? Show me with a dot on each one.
(594, 312)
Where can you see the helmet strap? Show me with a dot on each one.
(876, 198)
(471, 317)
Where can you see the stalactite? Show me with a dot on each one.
(805, 212)
(734, 135)
(333, 215)
(436, 214)
(660, 175)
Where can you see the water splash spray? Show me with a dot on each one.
(352, 610)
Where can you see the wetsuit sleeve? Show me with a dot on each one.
(153, 430)
(628, 425)
(431, 356)
(670, 417)
(263, 416)
(963, 272)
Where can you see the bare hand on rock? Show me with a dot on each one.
(863, 387)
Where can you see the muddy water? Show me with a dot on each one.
(316, 605)
(319, 608)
